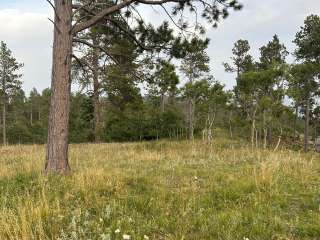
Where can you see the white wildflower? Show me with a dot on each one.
(101, 220)
(117, 231)
(145, 237)
(126, 237)
(245, 238)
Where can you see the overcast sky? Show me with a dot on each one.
(24, 26)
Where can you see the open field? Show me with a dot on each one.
(161, 190)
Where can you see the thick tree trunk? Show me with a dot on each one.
(96, 88)
(57, 146)
(306, 126)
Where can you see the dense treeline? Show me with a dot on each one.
(148, 117)
(173, 95)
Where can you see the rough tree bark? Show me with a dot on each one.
(57, 143)
(57, 146)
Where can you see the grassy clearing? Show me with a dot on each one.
(161, 190)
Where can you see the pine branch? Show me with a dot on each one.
(99, 16)
(95, 46)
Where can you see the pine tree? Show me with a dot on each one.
(195, 64)
(66, 27)
(308, 51)
(10, 82)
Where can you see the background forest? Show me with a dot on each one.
(170, 93)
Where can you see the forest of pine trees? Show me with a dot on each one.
(148, 98)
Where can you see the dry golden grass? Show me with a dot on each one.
(161, 190)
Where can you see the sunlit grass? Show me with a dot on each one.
(161, 190)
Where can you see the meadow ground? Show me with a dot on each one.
(161, 190)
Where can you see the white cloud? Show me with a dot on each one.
(29, 36)
(29, 33)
